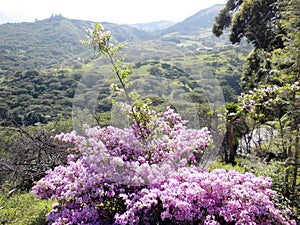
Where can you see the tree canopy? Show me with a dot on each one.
(254, 20)
(272, 26)
(271, 73)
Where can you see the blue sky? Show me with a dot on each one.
(116, 11)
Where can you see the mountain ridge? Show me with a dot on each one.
(202, 19)
(50, 42)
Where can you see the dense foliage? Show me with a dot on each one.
(254, 20)
(270, 102)
(35, 97)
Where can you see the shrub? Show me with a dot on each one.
(150, 176)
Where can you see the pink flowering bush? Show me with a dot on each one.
(149, 173)
(191, 196)
(117, 177)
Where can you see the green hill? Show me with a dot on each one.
(51, 42)
(42, 64)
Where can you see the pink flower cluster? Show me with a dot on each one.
(116, 177)
(198, 197)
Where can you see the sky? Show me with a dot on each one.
(115, 11)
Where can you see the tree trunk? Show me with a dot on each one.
(296, 163)
(231, 145)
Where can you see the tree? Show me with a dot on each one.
(235, 128)
(273, 28)
(27, 152)
(286, 66)
(271, 76)
(257, 22)
(254, 20)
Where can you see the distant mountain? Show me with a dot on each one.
(55, 41)
(153, 26)
(201, 20)
(49, 42)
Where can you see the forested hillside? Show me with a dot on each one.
(43, 62)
